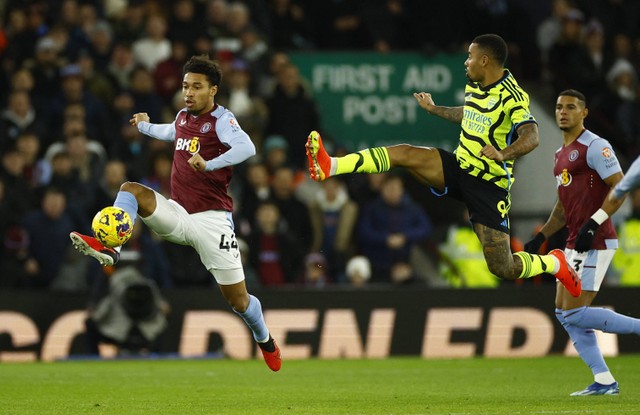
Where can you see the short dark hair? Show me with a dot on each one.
(205, 66)
(574, 93)
(494, 45)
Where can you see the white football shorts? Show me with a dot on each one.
(591, 266)
(210, 233)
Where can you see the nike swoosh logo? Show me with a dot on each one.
(183, 122)
(590, 232)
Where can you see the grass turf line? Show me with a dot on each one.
(402, 386)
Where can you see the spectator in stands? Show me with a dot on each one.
(569, 61)
(183, 22)
(389, 228)
(48, 228)
(73, 91)
(96, 82)
(167, 75)
(550, 30)
(290, 25)
(17, 267)
(45, 66)
(292, 113)
(249, 108)
(101, 45)
(7, 216)
(17, 191)
(215, 25)
(315, 273)
(274, 252)
(275, 153)
(154, 47)
(295, 213)
(120, 65)
(159, 178)
(143, 92)
(388, 25)
(333, 217)
(114, 174)
(255, 190)
(19, 117)
(339, 25)
(36, 171)
(129, 26)
(21, 38)
(616, 109)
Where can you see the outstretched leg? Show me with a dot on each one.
(133, 198)
(422, 162)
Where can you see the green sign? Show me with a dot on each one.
(366, 99)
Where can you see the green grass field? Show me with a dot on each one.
(402, 386)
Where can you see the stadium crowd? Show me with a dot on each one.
(74, 71)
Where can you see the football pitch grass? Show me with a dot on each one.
(402, 386)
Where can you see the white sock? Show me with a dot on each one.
(604, 378)
(556, 267)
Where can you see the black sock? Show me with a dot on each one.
(268, 346)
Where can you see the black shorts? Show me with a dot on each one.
(487, 203)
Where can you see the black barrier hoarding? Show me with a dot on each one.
(331, 323)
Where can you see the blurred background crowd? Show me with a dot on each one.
(74, 71)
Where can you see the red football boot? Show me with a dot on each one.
(89, 245)
(566, 274)
(319, 160)
(272, 359)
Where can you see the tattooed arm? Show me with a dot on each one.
(528, 139)
(453, 114)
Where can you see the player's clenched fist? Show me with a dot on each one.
(197, 163)
(491, 153)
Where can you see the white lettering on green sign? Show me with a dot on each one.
(352, 78)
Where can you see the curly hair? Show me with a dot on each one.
(203, 65)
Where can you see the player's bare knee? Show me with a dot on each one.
(400, 155)
(239, 303)
(501, 270)
(131, 187)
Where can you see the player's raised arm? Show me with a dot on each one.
(453, 114)
(163, 132)
(138, 117)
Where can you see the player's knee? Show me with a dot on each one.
(131, 187)
(239, 303)
(400, 155)
(575, 316)
(500, 270)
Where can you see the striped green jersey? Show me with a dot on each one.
(491, 116)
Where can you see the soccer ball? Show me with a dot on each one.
(112, 226)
